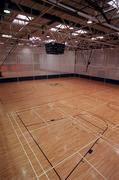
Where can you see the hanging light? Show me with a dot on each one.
(6, 10)
(89, 22)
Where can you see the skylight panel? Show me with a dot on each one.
(114, 3)
(22, 19)
(74, 34)
(71, 28)
(6, 36)
(54, 29)
(62, 26)
(20, 22)
(81, 31)
(34, 38)
(98, 37)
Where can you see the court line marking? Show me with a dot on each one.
(47, 126)
(106, 140)
(93, 167)
(88, 171)
(85, 95)
(70, 115)
(35, 107)
(69, 157)
(84, 127)
(22, 146)
(90, 115)
(12, 114)
(45, 103)
(112, 144)
(31, 94)
(28, 109)
(65, 159)
(38, 115)
(37, 144)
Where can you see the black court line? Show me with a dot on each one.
(88, 122)
(49, 122)
(88, 152)
(38, 146)
(104, 120)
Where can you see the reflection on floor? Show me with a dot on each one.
(54, 129)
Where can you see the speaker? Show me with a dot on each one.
(54, 48)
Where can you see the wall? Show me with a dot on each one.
(31, 61)
(104, 63)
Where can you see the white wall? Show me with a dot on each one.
(30, 61)
(104, 63)
(60, 63)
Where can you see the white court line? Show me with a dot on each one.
(102, 136)
(88, 171)
(75, 120)
(93, 166)
(29, 146)
(22, 146)
(38, 115)
(69, 157)
(110, 125)
(84, 127)
(90, 115)
(47, 126)
(26, 109)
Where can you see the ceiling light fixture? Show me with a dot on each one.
(100, 37)
(54, 29)
(6, 11)
(89, 22)
(71, 28)
(74, 34)
(20, 44)
(93, 38)
(6, 36)
(66, 43)
(49, 40)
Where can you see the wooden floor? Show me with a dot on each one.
(59, 129)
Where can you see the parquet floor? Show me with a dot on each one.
(59, 129)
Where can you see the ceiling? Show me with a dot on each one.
(80, 24)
